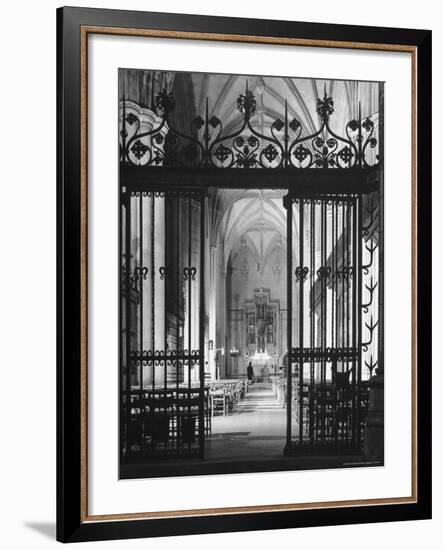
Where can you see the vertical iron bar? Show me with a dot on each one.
(336, 312)
(289, 206)
(165, 293)
(177, 284)
(189, 307)
(354, 320)
(153, 290)
(343, 319)
(128, 317)
(359, 310)
(322, 321)
(168, 407)
(301, 318)
(153, 399)
(201, 411)
(312, 327)
(140, 274)
(332, 271)
(122, 311)
(325, 299)
(332, 313)
(337, 307)
(341, 404)
(177, 306)
(348, 230)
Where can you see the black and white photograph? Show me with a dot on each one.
(219, 318)
(251, 273)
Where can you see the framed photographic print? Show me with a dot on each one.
(243, 274)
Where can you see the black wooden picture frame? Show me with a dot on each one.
(73, 25)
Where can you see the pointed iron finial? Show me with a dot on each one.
(246, 103)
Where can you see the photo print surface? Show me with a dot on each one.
(251, 273)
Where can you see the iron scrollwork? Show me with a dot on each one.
(208, 145)
(189, 273)
(139, 274)
(307, 355)
(164, 272)
(370, 283)
(371, 326)
(301, 273)
(345, 273)
(324, 272)
(159, 357)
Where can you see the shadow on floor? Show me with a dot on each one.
(46, 529)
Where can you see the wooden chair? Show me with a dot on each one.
(218, 401)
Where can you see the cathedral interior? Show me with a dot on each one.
(251, 273)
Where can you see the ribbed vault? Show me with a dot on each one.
(273, 93)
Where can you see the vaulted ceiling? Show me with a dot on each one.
(254, 215)
(194, 92)
(271, 93)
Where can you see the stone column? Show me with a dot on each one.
(212, 290)
(222, 314)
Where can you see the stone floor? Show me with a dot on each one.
(251, 438)
(255, 429)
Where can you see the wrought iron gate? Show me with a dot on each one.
(333, 277)
(334, 266)
(163, 412)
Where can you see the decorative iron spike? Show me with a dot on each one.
(322, 149)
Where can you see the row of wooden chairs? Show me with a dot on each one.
(165, 419)
(328, 412)
(224, 394)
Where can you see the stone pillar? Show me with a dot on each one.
(222, 312)
(374, 428)
(212, 289)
